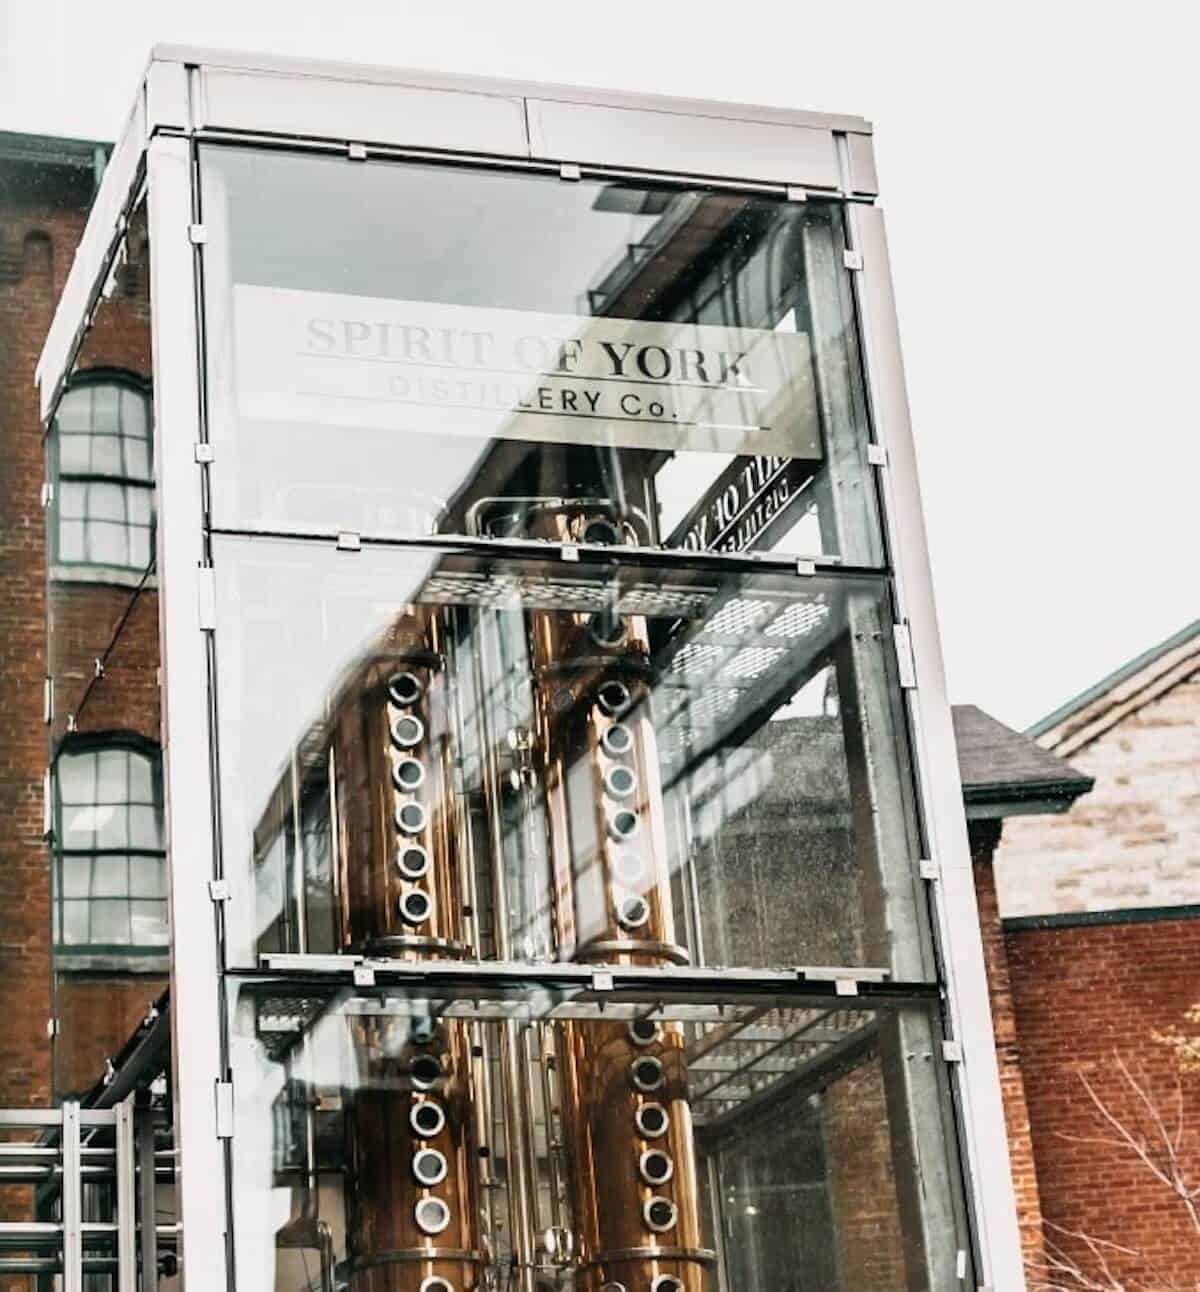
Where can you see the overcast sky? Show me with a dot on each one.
(1039, 176)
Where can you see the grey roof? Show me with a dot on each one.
(1114, 679)
(1004, 772)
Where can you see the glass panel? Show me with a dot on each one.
(407, 349)
(531, 1141)
(552, 760)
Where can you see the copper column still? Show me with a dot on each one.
(627, 1124)
(414, 1222)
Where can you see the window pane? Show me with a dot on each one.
(75, 923)
(147, 877)
(74, 452)
(75, 410)
(110, 922)
(106, 455)
(106, 407)
(110, 877)
(685, 765)
(721, 1145)
(76, 876)
(526, 340)
(148, 923)
(145, 827)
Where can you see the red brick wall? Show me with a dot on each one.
(984, 836)
(862, 1181)
(36, 245)
(1082, 995)
(42, 213)
(99, 1014)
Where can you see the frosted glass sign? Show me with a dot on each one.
(511, 374)
(404, 350)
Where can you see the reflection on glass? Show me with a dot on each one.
(435, 755)
(395, 346)
(390, 1140)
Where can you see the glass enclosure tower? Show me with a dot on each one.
(568, 883)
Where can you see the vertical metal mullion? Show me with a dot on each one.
(126, 1192)
(977, 1078)
(147, 1198)
(72, 1200)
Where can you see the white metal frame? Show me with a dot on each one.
(186, 91)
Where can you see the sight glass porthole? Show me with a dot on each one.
(408, 774)
(405, 689)
(415, 906)
(651, 1120)
(659, 1214)
(407, 731)
(617, 740)
(411, 818)
(646, 1073)
(412, 860)
(429, 1167)
(432, 1215)
(427, 1119)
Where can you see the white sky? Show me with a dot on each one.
(1038, 164)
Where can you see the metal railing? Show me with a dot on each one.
(78, 1146)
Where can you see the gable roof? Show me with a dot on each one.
(1006, 773)
(1124, 691)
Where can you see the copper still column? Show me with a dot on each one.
(627, 1124)
(414, 1221)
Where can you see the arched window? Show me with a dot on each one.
(102, 460)
(110, 857)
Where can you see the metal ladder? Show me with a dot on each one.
(58, 1162)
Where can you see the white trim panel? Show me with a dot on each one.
(320, 107)
(304, 68)
(724, 148)
(97, 245)
(860, 149)
(978, 1077)
(195, 1016)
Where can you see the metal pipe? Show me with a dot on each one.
(72, 1201)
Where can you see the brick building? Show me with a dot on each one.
(82, 925)
(1100, 934)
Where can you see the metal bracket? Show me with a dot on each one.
(905, 662)
(927, 868)
(47, 493)
(570, 552)
(806, 567)
(218, 890)
(364, 976)
(356, 152)
(206, 592)
(47, 821)
(960, 1264)
(48, 700)
(952, 1051)
(203, 451)
(796, 194)
(602, 981)
(852, 259)
(224, 1109)
(52, 1027)
(197, 234)
(97, 668)
(570, 171)
(349, 541)
(845, 987)
(877, 455)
